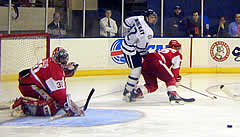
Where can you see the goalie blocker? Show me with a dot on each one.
(44, 88)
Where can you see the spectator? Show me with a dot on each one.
(234, 27)
(194, 25)
(56, 28)
(108, 26)
(221, 29)
(176, 24)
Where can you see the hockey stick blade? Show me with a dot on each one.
(4, 108)
(188, 99)
(57, 116)
(88, 99)
(214, 97)
(84, 107)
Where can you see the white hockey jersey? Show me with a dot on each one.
(138, 36)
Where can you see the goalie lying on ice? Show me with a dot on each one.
(44, 87)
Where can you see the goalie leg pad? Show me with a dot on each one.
(36, 107)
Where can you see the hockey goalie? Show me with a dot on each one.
(44, 88)
(164, 65)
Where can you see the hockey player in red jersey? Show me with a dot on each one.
(164, 65)
(45, 84)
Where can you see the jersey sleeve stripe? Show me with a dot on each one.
(163, 58)
(38, 80)
(128, 44)
(127, 49)
(165, 66)
(141, 48)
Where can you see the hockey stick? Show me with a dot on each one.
(88, 99)
(6, 105)
(186, 99)
(214, 97)
(4, 108)
(84, 107)
(57, 116)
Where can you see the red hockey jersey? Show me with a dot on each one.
(50, 76)
(172, 58)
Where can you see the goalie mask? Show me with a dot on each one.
(60, 56)
(175, 44)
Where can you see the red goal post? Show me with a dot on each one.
(21, 51)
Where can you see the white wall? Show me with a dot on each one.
(95, 53)
(202, 52)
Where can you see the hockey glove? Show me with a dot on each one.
(179, 78)
(70, 69)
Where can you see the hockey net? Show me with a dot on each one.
(19, 52)
(22, 51)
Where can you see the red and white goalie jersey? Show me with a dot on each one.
(172, 58)
(50, 76)
(44, 88)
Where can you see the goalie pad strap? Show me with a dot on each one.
(35, 107)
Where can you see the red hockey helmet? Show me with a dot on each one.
(175, 44)
(60, 55)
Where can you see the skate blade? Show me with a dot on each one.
(127, 98)
(124, 98)
(140, 97)
(177, 102)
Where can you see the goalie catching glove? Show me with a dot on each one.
(70, 69)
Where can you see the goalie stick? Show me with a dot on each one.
(88, 99)
(84, 107)
(214, 97)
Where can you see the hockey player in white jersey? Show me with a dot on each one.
(135, 43)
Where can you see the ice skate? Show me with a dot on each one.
(174, 98)
(134, 95)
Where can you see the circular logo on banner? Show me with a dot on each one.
(220, 51)
(116, 52)
(236, 53)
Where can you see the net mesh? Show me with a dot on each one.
(18, 53)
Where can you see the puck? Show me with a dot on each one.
(229, 126)
(221, 86)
